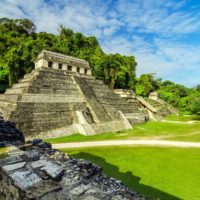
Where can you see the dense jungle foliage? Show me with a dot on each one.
(20, 45)
(187, 100)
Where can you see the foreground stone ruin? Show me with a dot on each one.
(36, 171)
(61, 97)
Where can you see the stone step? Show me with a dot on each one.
(43, 106)
(56, 74)
(55, 86)
(45, 125)
(113, 101)
(109, 126)
(52, 91)
(26, 80)
(47, 98)
(36, 117)
(97, 85)
(106, 94)
(50, 122)
(7, 105)
(21, 85)
(96, 81)
(112, 112)
(54, 81)
(32, 129)
(9, 97)
(16, 90)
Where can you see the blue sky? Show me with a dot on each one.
(163, 35)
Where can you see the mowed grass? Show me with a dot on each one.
(183, 118)
(150, 130)
(3, 152)
(158, 173)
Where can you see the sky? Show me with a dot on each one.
(163, 35)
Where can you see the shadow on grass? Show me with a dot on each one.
(127, 178)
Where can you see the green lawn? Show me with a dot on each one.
(182, 118)
(164, 173)
(3, 152)
(149, 130)
(187, 138)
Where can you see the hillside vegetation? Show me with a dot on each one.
(20, 45)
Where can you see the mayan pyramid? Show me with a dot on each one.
(61, 97)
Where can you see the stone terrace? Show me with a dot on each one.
(55, 102)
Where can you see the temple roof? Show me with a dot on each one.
(62, 58)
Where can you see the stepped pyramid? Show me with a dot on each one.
(61, 97)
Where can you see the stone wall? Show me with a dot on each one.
(36, 171)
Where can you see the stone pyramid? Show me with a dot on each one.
(61, 97)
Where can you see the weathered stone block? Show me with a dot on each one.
(25, 179)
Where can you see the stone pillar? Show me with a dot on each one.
(82, 70)
(41, 63)
(55, 65)
(64, 67)
(73, 69)
(38, 64)
(45, 63)
(89, 72)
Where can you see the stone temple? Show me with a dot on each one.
(61, 97)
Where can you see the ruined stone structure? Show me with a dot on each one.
(154, 96)
(36, 171)
(59, 61)
(154, 107)
(61, 97)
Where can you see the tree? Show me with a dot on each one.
(198, 87)
(146, 84)
(118, 71)
(195, 106)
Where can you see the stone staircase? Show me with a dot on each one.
(90, 96)
(161, 107)
(111, 102)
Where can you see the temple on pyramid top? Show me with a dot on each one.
(59, 61)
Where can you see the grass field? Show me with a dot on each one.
(159, 173)
(183, 118)
(3, 152)
(149, 130)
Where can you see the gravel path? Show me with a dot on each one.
(162, 143)
(180, 122)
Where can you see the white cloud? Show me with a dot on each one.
(153, 16)
(168, 59)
